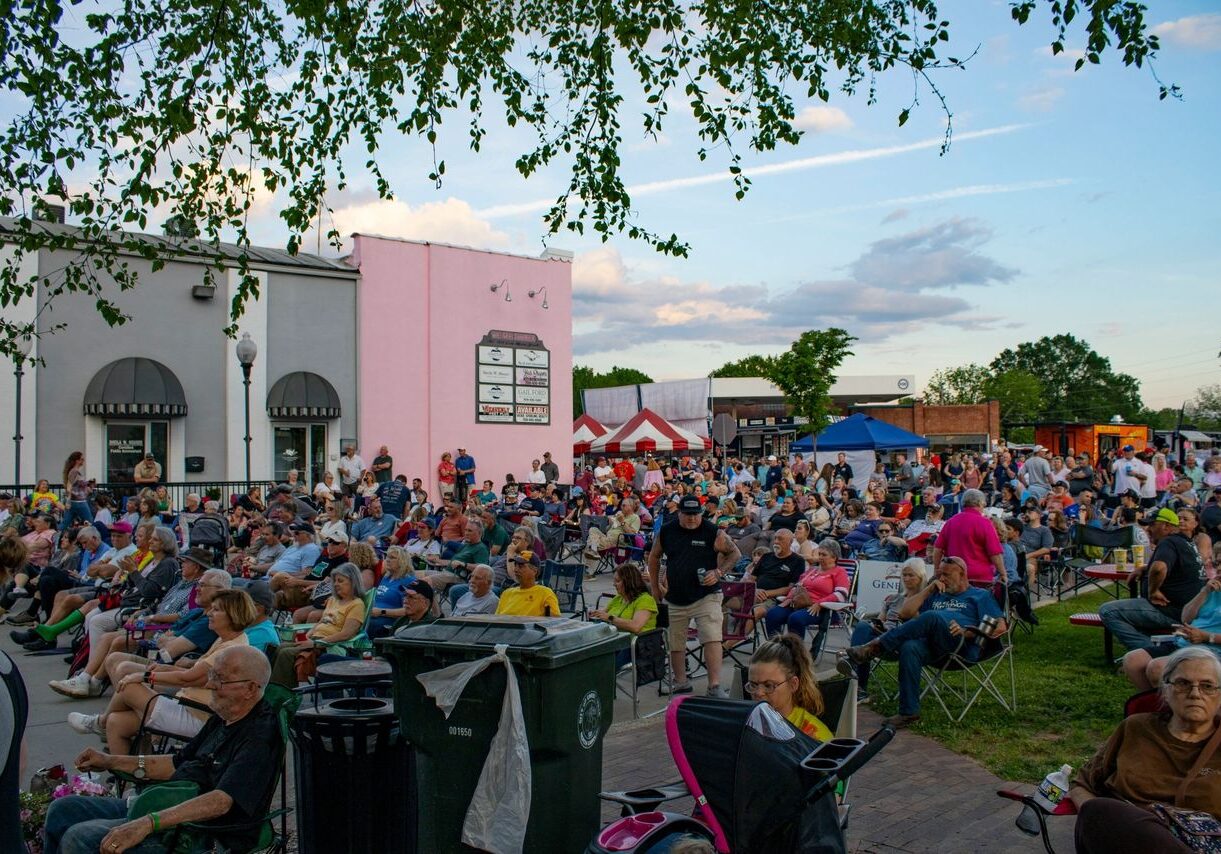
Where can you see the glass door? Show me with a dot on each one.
(126, 444)
(301, 447)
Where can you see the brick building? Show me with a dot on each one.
(973, 426)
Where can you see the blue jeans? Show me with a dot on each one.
(1132, 621)
(863, 633)
(796, 619)
(77, 825)
(76, 510)
(917, 642)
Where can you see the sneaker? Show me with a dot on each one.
(718, 691)
(20, 593)
(676, 688)
(862, 697)
(901, 721)
(23, 618)
(844, 666)
(77, 687)
(86, 724)
(21, 638)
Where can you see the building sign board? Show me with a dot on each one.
(513, 371)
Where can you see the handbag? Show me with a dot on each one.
(1198, 830)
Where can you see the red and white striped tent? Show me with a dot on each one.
(648, 431)
(584, 431)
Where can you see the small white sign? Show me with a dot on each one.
(494, 355)
(494, 412)
(495, 393)
(532, 394)
(533, 414)
(532, 358)
(495, 374)
(533, 376)
(872, 585)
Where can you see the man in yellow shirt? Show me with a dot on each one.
(528, 599)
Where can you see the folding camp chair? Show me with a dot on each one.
(958, 681)
(741, 629)
(650, 660)
(843, 614)
(1090, 547)
(566, 580)
(553, 540)
(630, 547)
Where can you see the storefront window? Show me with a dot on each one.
(126, 444)
(301, 447)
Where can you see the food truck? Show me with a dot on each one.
(1064, 437)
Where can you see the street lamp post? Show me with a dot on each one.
(23, 345)
(246, 351)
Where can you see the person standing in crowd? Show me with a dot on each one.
(147, 471)
(464, 475)
(351, 467)
(971, 536)
(447, 476)
(78, 489)
(536, 476)
(383, 465)
(1036, 473)
(842, 470)
(697, 556)
(1130, 473)
(550, 469)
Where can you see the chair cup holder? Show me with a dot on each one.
(830, 756)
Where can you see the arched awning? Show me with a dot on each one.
(135, 387)
(302, 395)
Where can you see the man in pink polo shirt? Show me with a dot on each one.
(971, 536)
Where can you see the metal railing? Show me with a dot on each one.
(219, 490)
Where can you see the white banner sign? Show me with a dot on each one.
(873, 586)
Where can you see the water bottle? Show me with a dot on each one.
(140, 624)
(1053, 788)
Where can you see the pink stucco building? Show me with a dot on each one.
(444, 361)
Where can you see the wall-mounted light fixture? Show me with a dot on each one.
(503, 283)
(543, 291)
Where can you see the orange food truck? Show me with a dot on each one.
(1096, 439)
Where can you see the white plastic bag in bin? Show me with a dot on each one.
(500, 808)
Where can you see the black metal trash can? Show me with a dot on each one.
(355, 778)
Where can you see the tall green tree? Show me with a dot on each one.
(197, 108)
(585, 377)
(1019, 393)
(1204, 410)
(1078, 384)
(956, 386)
(748, 366)
(806, 372)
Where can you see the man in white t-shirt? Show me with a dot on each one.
(351, 466)
(603, 473)
(536, 475)
(1131, 473)
(1036, 473)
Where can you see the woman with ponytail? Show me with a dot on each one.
(782, 673)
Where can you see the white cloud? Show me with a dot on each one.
(1070, 55)
(1041, 99)
(1201, 32)
(450, 221)
(822, 119)
(821, 161)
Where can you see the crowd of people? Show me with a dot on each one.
(167, 595)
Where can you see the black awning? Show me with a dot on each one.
(135, 387)
(302, 395)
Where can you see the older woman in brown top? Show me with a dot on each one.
(1146, 761)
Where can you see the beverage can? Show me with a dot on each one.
(301, 636)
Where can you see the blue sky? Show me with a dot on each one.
(1069, 202)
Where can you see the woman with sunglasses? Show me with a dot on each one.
(782, 674)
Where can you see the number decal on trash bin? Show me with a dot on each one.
(464, 731)
(589, 719)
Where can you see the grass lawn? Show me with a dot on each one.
(1068, 701)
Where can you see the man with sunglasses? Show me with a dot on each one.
(235, 760)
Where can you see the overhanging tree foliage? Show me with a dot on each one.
(133, 110)
(748, 366)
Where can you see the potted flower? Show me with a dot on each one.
(50, 785)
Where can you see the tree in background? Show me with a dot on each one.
(806, 372)
(126, 113)
(584, 377)
(1019, 393)
(957, 386)
(1078, 384)
(748, 366)
(1205, 408)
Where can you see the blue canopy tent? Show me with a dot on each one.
(860, 432)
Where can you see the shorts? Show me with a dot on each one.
(709, 621)
(168, 715)
(86, 593)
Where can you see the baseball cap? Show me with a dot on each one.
(1128, 448)
(526, 556)
(1038, 449)
(301, 528)
(261, 593)
(422, 587)
(120, 527)
(1168, 516)
(336, 537)
(690, 504)
(771, 458)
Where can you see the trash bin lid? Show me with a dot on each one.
(549, 636)
(353, 670)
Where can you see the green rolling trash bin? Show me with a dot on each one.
(566, 677)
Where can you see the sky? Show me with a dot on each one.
(1068, 202)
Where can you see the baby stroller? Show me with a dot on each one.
(759, 784)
